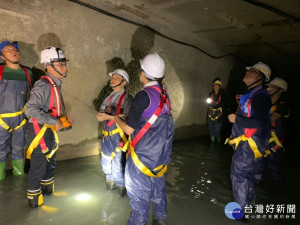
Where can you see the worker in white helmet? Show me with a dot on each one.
(250, 132)
(48, 115)
(277, 89)
(214, 111)
(150, 125)
(113, 156)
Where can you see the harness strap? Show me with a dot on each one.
(54, 93)
(144, 169)
(40, 140)
(25, 70)
(122, 147)
(278, 144)
(220, 97)
(9, 115)
(140, 134)
(1, 71)
(250, 141)
(275, 139)
(28, 76)
(218, 116)
(118, 111)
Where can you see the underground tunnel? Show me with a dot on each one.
(198, 41)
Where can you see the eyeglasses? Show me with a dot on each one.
(253, 71)
(61, 65)
(271, 88)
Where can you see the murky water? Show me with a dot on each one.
(198, 188)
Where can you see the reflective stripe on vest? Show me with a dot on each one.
(162, 168)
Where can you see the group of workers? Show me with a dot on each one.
(42, 107)
(257, 132)
(137, 131)
(142, 127)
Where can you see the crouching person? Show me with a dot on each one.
(47, 112)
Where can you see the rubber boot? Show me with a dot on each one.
(213, 139)
(159, 221)
(35, 198)
(18, 167)
(2, 170)
(48, 186)
(122, 191)
(219, 140)
(110, 184)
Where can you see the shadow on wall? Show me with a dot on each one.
(141, 43)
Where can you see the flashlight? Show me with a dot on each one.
(208, 100)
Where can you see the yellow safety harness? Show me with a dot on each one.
(161, 168)
(214, 110)
(36, 142)
(9, 115)
(275, 139)
(55, 109)
(250, 141)
(144, 169)
(124, 148)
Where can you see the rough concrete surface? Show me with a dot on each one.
(91, 40)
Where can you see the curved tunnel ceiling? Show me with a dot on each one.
(243, 27)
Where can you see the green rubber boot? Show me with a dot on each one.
(219, 140)
(18, 167)
(2, 170)
(213, 139)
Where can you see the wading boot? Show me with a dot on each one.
(48, 186)
(18, 167)
(35, 198)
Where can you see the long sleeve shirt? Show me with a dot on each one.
(38, 105)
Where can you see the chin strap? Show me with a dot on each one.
(275, 92)
(254, 82)
(53, 67)
(118, 84)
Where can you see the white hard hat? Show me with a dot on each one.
(279, 83)
(264, 68)
(122, 73)
(52, 54)
(153, 66)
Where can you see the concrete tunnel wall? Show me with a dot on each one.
(95, 44)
